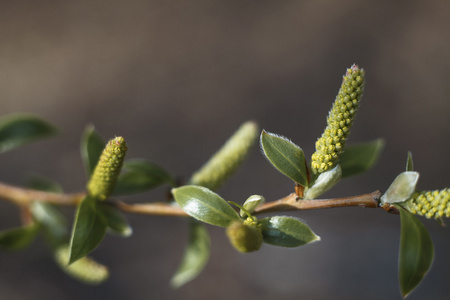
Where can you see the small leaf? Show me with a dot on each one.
(20, 129)
(409, 162)
(196, 255)
(88, 230)
(92, 145)
(360, 157)
(18, 238)
(401, 189)
(325, 181)
(416, 252)
(286, 232)
(139, 175)
(115, 220)
(205, 205)
(53, 221)
(250, 204)
(285, 156)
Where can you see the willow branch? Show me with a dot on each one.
(290, 202)
(23, 197)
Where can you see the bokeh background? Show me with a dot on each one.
(176, 78)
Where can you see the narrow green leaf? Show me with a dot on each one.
(92, 145)
(205, 205)
(285, 156)
(360, 157)
(48, 215)
(115, 220)
(53, 222)
(409, 162)
(20, 129)
(401, 189)
(88, 230)
(196, 255)
(139, 175)
(416, 252)
(18, 238)
(286, 232)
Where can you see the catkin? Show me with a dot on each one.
(431, 204)
(340, 119)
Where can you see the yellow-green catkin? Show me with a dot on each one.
(84, 269)
(244, 237)
(340, 119)
(106, 172)
(431, 204)
(227, 160)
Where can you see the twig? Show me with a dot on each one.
(23, 197)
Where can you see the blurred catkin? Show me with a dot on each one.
(340, 119)
(227, 160)
(84, 269)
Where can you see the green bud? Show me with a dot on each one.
(107, 171)
(85, 269)
(339, 121)
(245, 236)
(431, 204)
(226, 161)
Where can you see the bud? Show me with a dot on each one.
(431, 204)
(226, 161)
(339, 121)
(244, 238)
(84, 269)
(107, 171)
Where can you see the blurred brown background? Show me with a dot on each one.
(176, 78)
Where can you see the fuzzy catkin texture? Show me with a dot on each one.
(340, 119)
(431, 204)
(107, 171)
(84, 269)
(226, 161)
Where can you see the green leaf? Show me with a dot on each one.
(88, 230)
(250, 204)
(401, 189)
(48, 215)
(20, 129)
(409, 162)
(205, 205)
(139, 175)
(416, 252)
(325, 181)
(286, 232)
(18, 238)
(196, 255)
(53, 221)
(115, 220)
(360, 157)
(285, 156)
(92, 145)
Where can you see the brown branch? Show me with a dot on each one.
(23, 197)
(291, 203)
